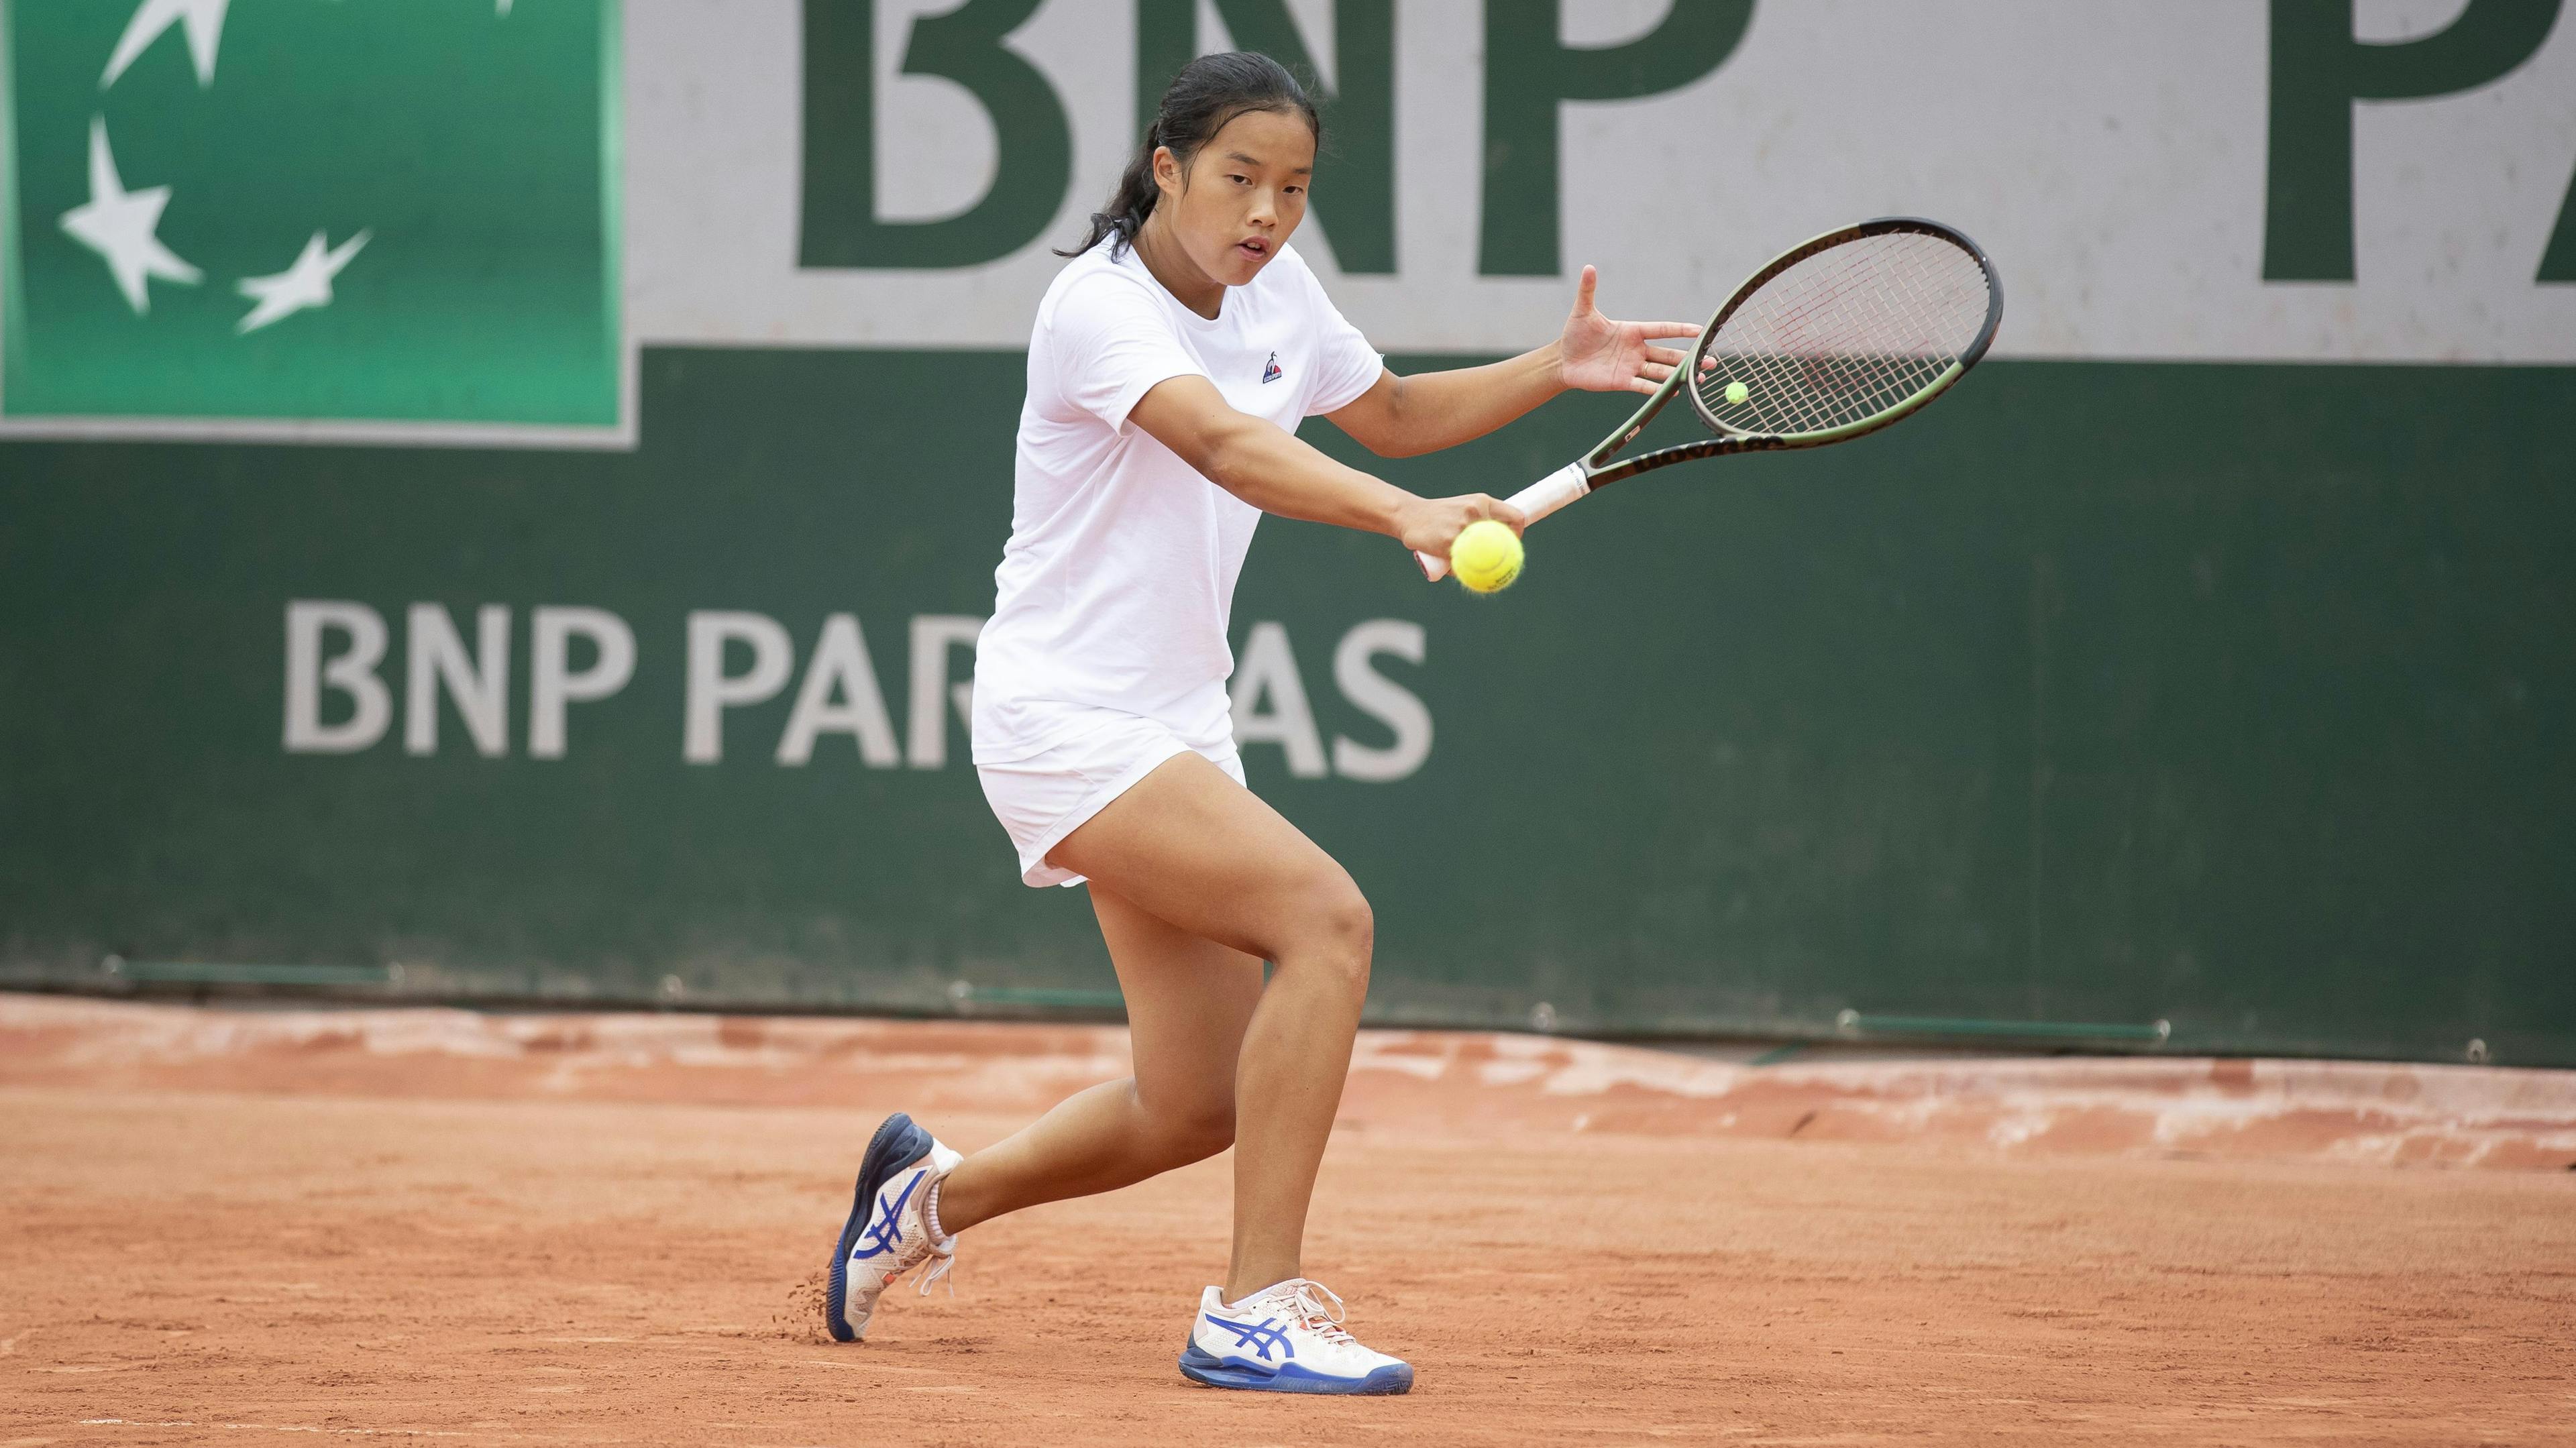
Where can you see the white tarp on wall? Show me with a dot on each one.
(2110, 157)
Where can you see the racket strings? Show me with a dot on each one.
(1839, 344)
(1846, 334)
(1836, 347)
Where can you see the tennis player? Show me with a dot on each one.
(1170, 365)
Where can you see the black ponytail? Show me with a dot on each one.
(1209, 92)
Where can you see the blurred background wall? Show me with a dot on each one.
(496, 498)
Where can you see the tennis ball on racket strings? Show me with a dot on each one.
(1486, 556)
(1736, 392)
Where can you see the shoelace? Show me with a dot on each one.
(1325, 1322)
(944, 1255)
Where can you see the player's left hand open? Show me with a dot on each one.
(1600, 355)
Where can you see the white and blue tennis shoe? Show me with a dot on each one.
(1286, 1338)
(889, 1230)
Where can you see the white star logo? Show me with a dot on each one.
(122, 226)
(204, 21)
(305, 284)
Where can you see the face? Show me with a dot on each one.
(1244, 193)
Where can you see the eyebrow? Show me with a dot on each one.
(1256, 161)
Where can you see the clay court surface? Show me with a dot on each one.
(235, 1226)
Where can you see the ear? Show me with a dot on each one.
(1167, 171)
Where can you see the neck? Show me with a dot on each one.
(1164, 257)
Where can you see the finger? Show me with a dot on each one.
(1707, 364)
(1640, 384)
(1486, 507)
(1665, 355)
(1669, 329)
(1583, 290)
(1654, 372)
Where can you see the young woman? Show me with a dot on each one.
(1170, 364)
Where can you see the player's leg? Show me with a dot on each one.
(1188, 1002)
(1194, 848)
(1197, 855)
(1191, 847)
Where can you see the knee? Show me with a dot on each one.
(1341, 931)
(1195, 1132)
(1352, 927)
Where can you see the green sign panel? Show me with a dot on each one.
(288, 211)
(2037, 709)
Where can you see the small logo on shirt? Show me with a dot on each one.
(1272, 373)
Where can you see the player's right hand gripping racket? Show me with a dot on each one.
(1837, 337)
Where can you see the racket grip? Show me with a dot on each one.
(1535, 502)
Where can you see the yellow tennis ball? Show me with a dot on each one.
(1736, 392)
(1486, 556)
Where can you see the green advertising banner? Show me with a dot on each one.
(312, 212)
(2038, 710)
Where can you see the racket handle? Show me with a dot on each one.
(1535, 502)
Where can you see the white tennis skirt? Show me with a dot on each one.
(1047, 796)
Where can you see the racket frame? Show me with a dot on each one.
(1601, 472)
(1597, 469)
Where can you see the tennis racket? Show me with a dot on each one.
(1838, 337)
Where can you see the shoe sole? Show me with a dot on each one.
(1200, 1366)
(898, 1144)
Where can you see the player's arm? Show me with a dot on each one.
(1265, 465)
(1404, 416)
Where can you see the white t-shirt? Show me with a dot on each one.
(1115, 588)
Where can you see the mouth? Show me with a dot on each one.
(1254, 248)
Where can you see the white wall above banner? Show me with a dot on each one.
(2154, 181)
